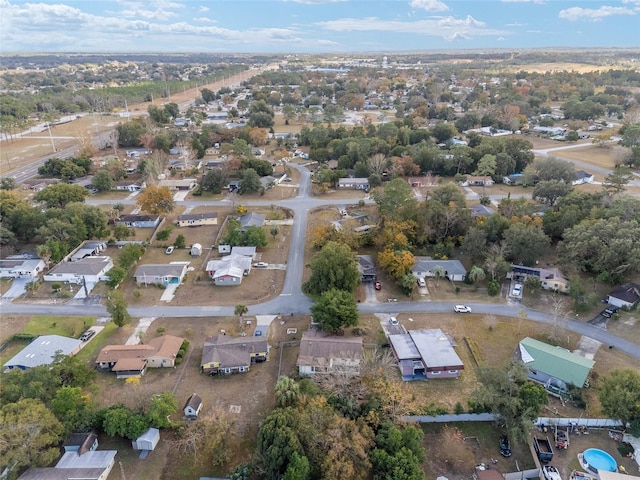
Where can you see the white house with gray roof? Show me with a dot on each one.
(427, 267)
(85, 270)
(163, 274)
(42, 351)
(14, 267)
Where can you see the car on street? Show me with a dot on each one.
(517, 290)
(462, 309)
(393, 321)
(609, 312)
(261, 265)
(377, 285)
(169, 250)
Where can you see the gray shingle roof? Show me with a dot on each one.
(42, 350)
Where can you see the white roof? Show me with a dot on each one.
(42, 350)
(93, 459)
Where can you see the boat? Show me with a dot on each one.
(551, 473)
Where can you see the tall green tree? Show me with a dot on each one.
(160, 408)
(61, 194)
(250, 182)
(29, 434)
(334, 310)
(620, 398)
(525, 243)
(117, 308)
(103, 180)
(75, 409)
(508, 393)
(335, 266)
(396, 200)
(616, 182)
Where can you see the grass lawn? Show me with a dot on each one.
(51, 325)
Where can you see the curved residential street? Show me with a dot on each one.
(292, 301)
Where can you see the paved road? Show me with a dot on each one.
(292, 301)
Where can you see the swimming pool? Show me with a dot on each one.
(599, 460)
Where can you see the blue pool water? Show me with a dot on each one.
(600, 460)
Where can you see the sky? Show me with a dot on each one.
(313, 26)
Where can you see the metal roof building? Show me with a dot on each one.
(42, 351)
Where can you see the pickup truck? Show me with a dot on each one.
(543, 448)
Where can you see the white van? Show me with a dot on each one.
(421, 282)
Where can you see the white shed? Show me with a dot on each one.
(148, 440)
(196, 250)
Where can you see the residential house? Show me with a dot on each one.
(163, 274)
(321, 353)
(192, 407)
(625, 296)
(514, 179)
(138, 152)
(353, 183)
(229, 270)
(197, 219)
(582, 177)
(423, 182)
(87, 270)
(427, 267)
(223, 355)
(21, 267)
(244, 251)
(550, 279)
(146, 442)
(81, 442)
(87, 249)
(124, 360)
(554, 367)
(178, 184)
(269, 181)
(133, 360)
(477, 181)
(366, 268)
(166, 350)
(42, 351)
(251, 220)
(550, 131)
(129, 186)
(91, 465)
(138, 221)
(426, 354)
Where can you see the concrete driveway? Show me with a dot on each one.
(18, 287)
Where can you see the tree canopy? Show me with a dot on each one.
(334, 310)
(335, 266)
(620, 398)
(155, 200)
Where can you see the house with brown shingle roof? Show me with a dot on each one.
(132, 360)
(321, 353)
(226, 355)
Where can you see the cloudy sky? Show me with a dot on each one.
(313, 26)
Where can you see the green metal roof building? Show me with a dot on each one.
(553, 366)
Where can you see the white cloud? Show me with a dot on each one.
(316, 2)
(203, 9)
(578, 13)
(444, 27)
(204, 20)
(515, 25)
(429, 5)
(538, 2)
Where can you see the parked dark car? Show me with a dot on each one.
(609, 312)
(505, 446)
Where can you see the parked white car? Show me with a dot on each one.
(517, 290)
(462, 309)
(393, 321)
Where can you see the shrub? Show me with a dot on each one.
(55, 286)
(161, 330)
(163, 235)
(494, 288)
(458, 409)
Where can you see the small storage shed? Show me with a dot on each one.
(196, 250)
(147, 441)
(192, 407)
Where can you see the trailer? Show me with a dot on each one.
(543, 449)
